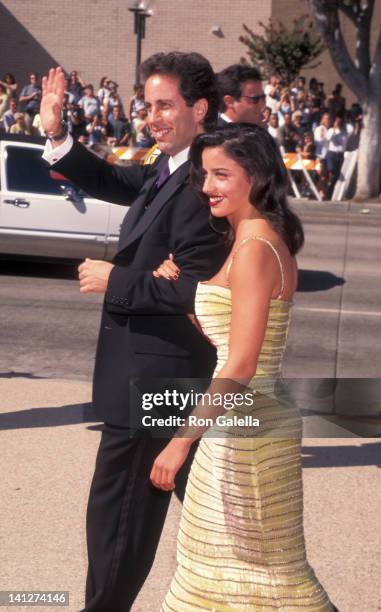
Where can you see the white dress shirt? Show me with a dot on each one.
(226, 118)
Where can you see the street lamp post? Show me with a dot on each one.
(141, 13)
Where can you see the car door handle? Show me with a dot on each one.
(20, 202)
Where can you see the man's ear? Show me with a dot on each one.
(200, 109)
(228, 101)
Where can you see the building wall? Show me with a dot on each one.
(96, 37)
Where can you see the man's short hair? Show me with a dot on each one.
(196, 79)
(230, 79)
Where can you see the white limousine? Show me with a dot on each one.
(42, 214)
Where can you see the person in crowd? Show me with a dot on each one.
(9, 82)
(37, 129)
(354, 138)
(288, 135)
(118, 128)
(322, 93)
(125, 513)
(307, 151)
(75, 86)
(266, 116)
(241, 94)
(78, 123)
(337, 138)
(316, 102)
(136, 102)
(356, 112)
(272, 92)
(273, 127)
(70, 96)
(285, 105)
(20, 126)
(4, 103)
(9, 115)
(226, 554)
(97, 131)
(140, 128)
(89, 104)
(299, 88)
(320, 136)
(336, 103)
(113, 99)
(297, 120)
(30, 97)
(103, 90)
(348, 122)
(321, 150)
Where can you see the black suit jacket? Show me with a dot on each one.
(144, 331)
(222, 123)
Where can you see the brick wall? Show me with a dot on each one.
(96, 37)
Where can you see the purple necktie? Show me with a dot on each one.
(163, 175)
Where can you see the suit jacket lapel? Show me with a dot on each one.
(137, 208)
(175, 181)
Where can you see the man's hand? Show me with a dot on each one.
(53, 89)
(94, 275)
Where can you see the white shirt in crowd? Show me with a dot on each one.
(321, 141)
(274, 132)
(337, 140)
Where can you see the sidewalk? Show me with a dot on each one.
(312, 211)
(49, 441)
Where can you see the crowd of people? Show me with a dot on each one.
(301, 118)
(93, 117)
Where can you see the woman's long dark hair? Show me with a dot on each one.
(257, 153)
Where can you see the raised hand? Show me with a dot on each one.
(53, 89)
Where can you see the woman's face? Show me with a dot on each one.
(226, 184)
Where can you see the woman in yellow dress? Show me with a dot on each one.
(241, 542)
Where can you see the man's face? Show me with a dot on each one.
(116, 112)
(325, 120)
(33, 79)
(246, 109)
(173, 124)
(13, 106)
(274, 120)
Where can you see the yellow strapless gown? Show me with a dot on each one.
(241, 543)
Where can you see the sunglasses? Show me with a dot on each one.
(256, 99)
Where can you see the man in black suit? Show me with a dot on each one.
(145, 331)
(242, 99)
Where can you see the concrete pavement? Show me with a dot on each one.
(49, 440)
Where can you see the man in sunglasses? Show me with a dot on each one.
(241, 95)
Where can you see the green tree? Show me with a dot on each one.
(281, 51)
(362, 75)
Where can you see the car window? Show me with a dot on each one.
(27, 171)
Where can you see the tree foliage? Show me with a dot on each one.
(282, 51)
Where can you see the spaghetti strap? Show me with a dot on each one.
(273, 250)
